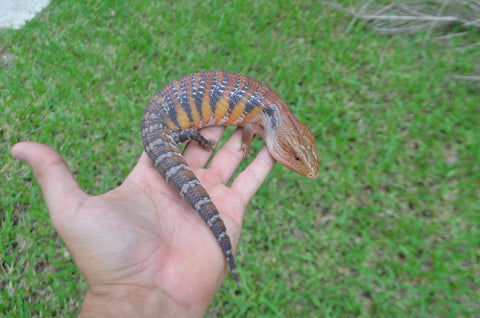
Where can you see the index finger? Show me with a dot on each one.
(251, 179)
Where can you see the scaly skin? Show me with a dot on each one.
(177, 111)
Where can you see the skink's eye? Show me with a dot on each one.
(296, 156)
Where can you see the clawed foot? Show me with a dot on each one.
(210, 145)
(246, 150)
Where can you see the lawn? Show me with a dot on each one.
(391, 228)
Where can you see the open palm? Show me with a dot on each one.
(142, 238)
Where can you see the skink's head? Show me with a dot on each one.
(294, 147)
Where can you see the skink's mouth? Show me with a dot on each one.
(312, 175)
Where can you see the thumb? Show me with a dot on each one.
(59, 187)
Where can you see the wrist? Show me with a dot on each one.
(132, 301)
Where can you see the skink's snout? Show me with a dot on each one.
(296, 150)
(313, 175)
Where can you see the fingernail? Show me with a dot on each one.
(17, 155)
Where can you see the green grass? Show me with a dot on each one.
(390, 229)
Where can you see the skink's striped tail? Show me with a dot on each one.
(167, 159)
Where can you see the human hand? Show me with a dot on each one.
(141, 248)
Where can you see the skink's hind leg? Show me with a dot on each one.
(184, 136)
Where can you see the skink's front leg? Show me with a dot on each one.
(249, 132)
